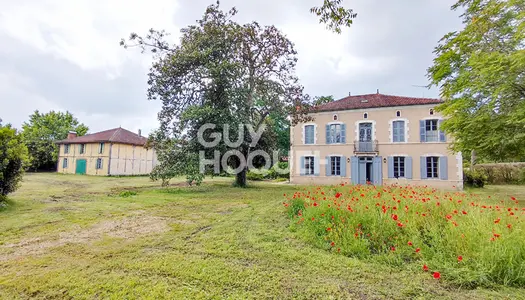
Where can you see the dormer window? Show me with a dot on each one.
(431, 111)
(335, 118)
(365, 116)
(398, 113)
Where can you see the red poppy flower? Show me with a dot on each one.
(410, 243)
(464, 212)
(399, 224)
(449, 217)
(332, 244)
(513, 198)
(315, 204)
(328, 229)
(362, 195)
(497, 221)
(509, 226)
(497, 235)
(394, 217)
(313, 219)
(460, 258)
(425, 268)
(436, 275)
(393, 248)
(337, 195)
(284, 195)
(417, 250)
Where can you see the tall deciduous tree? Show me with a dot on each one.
(13, 158)
(323, 99)
(41, 132)
(334, 15)
(222, 73)
(480, 71)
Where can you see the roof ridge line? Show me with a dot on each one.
(113, 135)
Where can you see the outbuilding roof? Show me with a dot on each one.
(116, 135)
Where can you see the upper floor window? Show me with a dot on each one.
(431, 128)
(66, 148)
(335, 133)
(335, 118)
(398, 113)
(100, 148)
(365, 116)
(398, 131)
(82, 148)
(309, 134)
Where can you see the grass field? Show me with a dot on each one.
(86, 237)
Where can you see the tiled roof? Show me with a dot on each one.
(117, 135)
(374, 101)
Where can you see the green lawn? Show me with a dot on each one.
(76, 237)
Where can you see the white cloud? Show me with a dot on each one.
(85, 32)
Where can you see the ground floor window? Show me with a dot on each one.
(335, 164)
(432, 167)
(309, 165)
(399, 166)
(99, 163)
(64, 163)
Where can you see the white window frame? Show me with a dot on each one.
(82, 148)
(66, 147)
(311, 166)
(437, 167)
(303, 138)
(404, 165)
(100, 148)
(341, 165)
(97, 166)
(365, 121)
(336, 123)
(65, 163)
(391, 130)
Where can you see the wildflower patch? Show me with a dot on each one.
(453, 236)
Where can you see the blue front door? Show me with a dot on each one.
(367, 169)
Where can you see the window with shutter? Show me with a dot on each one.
(309, 134)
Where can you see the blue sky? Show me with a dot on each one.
(65, 55)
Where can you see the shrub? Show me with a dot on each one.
(468, 241)
(502, 173)
(273, 174)
(254, 176)
(13, 159)
(474, 178)
(126, 194)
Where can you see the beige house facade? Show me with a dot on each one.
(375, 139)
(107, 153)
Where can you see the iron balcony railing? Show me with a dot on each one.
(364, 147)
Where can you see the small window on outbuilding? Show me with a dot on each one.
(398, 113)
(365, 115)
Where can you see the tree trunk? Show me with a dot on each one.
(240, 178)
(472, 159)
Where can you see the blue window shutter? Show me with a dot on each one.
(443, 168)
(343, 133)
(422, 131)
(343, 166)
(408, 167)
(395, 136)
(316, 166)
(302, 170)
(328, 137)
(390, 160)
(401, 131)
(423, 167)
(378, 170)
(354, 169)
(442, 136)
(328, 166)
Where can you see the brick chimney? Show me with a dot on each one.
(71, 135)
(140, 132)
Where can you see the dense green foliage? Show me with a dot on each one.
(42, 131)
(454, 236)
(13, 158)
(226, 74)
(323, 99)
(480, 71)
